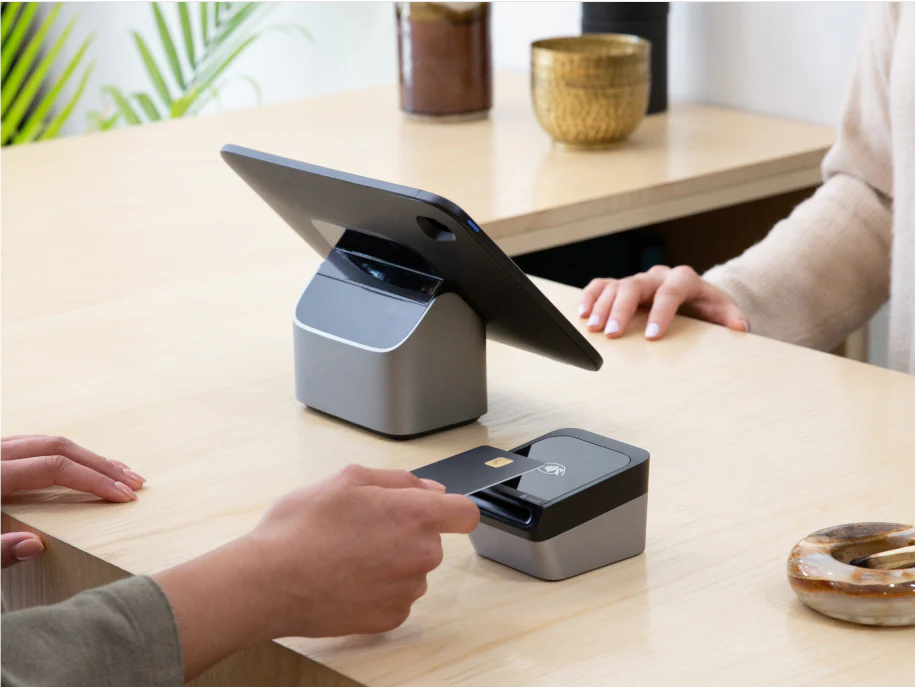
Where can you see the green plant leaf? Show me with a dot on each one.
(205, 23)
(188, 32)
(10, 11)
(20, 104)
(32, 127)
(24, 62)
(236, 20)
(168, 45)
(221, 10)
(62, 116)
(207, 79)
(127, 112)
(97, 122)
(154, 74)
(225, 32)
(182, 104)
(149, 107)
(11, 46)
(205, 98)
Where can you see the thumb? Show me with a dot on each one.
(733, 318)
(19, 546)
(718, 306)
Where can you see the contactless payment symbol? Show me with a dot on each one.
(499, 462)
(554, 469)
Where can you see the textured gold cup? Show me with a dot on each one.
(590, 91)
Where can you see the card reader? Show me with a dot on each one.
(585, 508)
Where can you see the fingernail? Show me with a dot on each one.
(127, 491)
(134, 476)
(594, 320)
(746, 326)
(438, 486)
(612, 327)
(121, 465)
(28, 549)
(581, 310)
(652, 330)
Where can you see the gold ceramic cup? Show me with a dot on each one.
(590, 91)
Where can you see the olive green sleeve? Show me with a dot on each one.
(120, 634)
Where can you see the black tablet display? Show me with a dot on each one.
(424, 236)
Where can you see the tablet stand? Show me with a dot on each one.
(391, 332)
(382, 353)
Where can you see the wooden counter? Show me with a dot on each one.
(147, 297)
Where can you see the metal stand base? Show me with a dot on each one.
(396, 367)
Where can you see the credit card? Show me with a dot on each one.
(476, 469)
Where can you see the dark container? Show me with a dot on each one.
(445, 59)
(647, 20)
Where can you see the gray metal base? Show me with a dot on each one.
(434, 377)
(606, 539)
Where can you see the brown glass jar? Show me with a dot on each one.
(445, 59)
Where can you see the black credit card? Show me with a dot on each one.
(476, 469)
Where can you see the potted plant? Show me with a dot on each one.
(31, 108)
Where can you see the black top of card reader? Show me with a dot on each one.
(419, 234)
(584, 475)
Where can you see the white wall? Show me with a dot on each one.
(783, 58)
(353, 46)
(789, 59)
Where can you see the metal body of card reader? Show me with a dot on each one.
(584, 509)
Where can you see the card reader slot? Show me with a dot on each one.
(510, 511)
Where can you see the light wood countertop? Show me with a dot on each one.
(147, 297)
(504, 170)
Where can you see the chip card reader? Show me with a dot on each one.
(584, 508)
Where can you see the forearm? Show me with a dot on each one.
(819, 274)
(219, 603)
(825, 270)
(122, 633)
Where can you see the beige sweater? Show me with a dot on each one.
(823, 272)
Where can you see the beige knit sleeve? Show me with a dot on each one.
(823, 271)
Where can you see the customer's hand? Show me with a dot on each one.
(609, 304)
(36, 461)
(356, 549)
(348, 555)
(20, 546)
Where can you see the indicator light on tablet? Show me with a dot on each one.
(473, 225)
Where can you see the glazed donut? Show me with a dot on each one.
(820, 574)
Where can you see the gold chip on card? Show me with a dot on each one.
(499, 462)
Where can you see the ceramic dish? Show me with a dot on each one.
(820, 574)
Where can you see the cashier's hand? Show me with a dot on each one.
(609, 304)
(37, 461)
